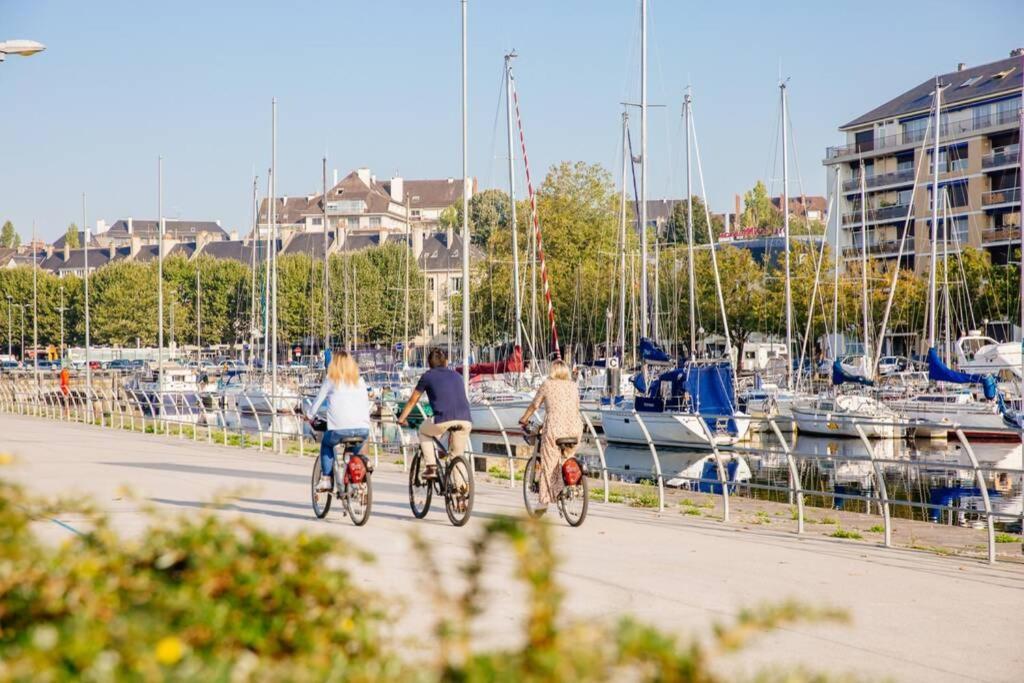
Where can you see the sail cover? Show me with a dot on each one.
(938, 372)
(651, 352)
(711, 392)
(841, 376)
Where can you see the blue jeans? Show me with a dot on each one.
(331, 438)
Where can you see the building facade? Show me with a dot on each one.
(887, 158)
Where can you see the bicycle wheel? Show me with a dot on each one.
(531, 489)
(420, 489)
(321, 499)
(574, 500)
(458, 497)
(358, 499)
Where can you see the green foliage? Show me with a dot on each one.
(200, 597)
(71, 237)
(846, 533)
(677, 222)
(877, 529)
(759, 211)
(1003, 537)
(9, 237)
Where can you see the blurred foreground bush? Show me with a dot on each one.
(203, 598)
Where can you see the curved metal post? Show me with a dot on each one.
(980, 479)
(508, 445)
(883, 494)
(657, 461)
(259, 425)
(600, 451)
(794, 476)
(719, 466)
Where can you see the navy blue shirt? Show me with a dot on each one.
(447, 394)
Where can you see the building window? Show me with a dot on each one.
(375, 221)
(415, 213)
(914, 129)
(957, 193)
(903, 197)
(318, 221)
(352, 222)
(905, 162)
(346, 206)
(958, 229)
(430, 284)
(456, 284)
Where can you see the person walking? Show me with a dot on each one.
(560, 397)
(348, 411)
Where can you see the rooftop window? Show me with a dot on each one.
(970, 81)
(1004, 73)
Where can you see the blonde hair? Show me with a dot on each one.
(559, 370)
(343, 369)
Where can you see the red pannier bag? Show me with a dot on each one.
(355, 472)
(571, 472)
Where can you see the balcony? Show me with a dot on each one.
(882, 213)
(950, 129)
(996, 197)
(1001, 156)
(880, 180)
(888, 248)
(1004, 233)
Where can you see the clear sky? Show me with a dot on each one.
(377, 84)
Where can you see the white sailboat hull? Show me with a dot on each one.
(667, 429)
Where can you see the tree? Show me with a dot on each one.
(9, 237)
(759, 211)
(71, 237)
(677, 222)
(488, 213)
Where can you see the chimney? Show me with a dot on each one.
(136, 245)
(67, 251)
(335, 178)
(364, 175)
(449, 235)
(960, 66)
(397, 189)
(101, 226)
(233, 236)
(417, 241)
(1017, 52)
(131, 227)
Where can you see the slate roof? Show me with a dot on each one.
(799, 206)
(236, 250)
(430, 194)
(970, 84)
(439, 255)
(59, 242)
(290, 210)
(76, 259)
(310, 243)
(149, 229)
(7, 255)
(150, 252)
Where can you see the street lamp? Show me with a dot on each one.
(23, 48)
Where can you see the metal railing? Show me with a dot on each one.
(1009, 195)
(906, 176)
(112, 405)
(1002, 233)
(877, 248)
(949, 129)
(1001, 156)
(897, 211)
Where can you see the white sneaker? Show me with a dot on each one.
(324, 485)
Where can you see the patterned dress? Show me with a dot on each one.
(561, 400)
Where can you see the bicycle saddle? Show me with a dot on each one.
(567, 441)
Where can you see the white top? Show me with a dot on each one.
(348, 406)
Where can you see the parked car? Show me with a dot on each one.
(890, 364)
(9, 365)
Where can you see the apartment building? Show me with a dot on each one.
(979, 167)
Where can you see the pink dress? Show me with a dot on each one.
(561, 400)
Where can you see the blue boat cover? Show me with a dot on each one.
(651, 352)
(841, 376)
(938, 372)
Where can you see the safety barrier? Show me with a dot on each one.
(111, 403)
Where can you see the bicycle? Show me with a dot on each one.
(574, 498)
(454, 481)
(352, 485)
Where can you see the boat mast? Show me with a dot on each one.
(691, 272)
(1020, 198)
(266, 276)
(626, 160)
(326, 276)
(644, 322)
(512, 203)
(785, 239)
(408, 265)
(160, 271)
(252, 274)
(85, 282)
(465, 213)
(833, 345)
(864, 270)
(273, 252)
(945, 275)
(935, 219)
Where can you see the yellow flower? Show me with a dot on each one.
(169, 650)
(6, 458)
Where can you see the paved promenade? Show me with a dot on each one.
(914, 616)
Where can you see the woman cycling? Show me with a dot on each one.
(348, 411)
(561, 399)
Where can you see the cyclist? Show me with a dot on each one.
(348, 411)
(561, 399)
(447, 396)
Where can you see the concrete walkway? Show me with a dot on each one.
(914, 616)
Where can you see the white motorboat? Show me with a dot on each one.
(841, 415)
(941, 412)
(983, 355)
(175, 399)
(769, 401)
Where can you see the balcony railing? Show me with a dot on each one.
(950, 129)
(1007, 196)
(1001, 156)
(878, 180)
(1004, 233)
(882, 213)
(879, 248)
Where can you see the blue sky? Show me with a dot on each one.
(377, 84)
